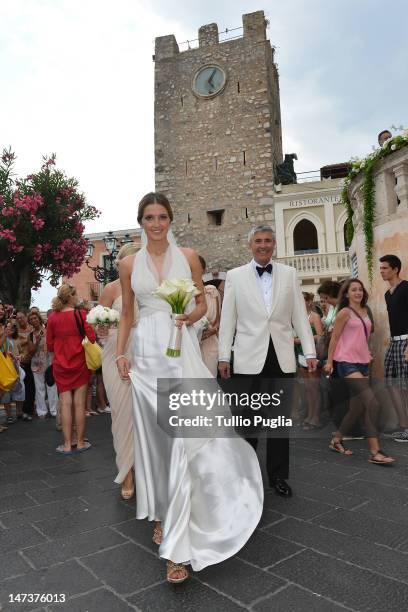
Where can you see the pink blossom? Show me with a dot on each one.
(70, 255)
(8, 235)
(48, 162)
(38, 251)
(7, 157)
(79, 227)
(7, 212)
(66, 192)
(37, 223)
(29, 203)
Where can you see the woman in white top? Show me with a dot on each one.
(41, 359)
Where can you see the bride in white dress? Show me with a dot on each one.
(205, 494)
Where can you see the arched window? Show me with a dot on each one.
(305, 238)
(346, 242)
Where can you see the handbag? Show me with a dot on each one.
(93, 352)
(322, 346)
(8, 373)
(49, 376)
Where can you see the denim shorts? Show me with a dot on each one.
(345, 369)
(17, 394)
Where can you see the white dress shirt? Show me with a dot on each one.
(265, 284)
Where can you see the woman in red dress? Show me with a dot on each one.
(69, 366)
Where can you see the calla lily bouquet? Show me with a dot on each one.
(101, 315)
(178, 293)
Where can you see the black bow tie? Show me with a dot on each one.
(267, 268)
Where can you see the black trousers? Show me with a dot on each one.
(29, 383)
(277, 448)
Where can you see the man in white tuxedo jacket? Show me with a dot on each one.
(262, 305)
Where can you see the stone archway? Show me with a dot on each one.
(316, 232)
(305, 238)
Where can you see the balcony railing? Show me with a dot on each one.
(319, 264)
(310, 175)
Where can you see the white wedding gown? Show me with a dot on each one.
(208, 493)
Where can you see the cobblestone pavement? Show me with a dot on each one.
(340, 543)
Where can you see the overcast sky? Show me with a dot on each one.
(76, 78)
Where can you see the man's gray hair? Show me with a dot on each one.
(260, 228)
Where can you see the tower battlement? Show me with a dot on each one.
(253, 27)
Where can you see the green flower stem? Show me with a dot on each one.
(369, 217)
(173, 352)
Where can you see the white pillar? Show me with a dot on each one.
(401, 189)
(331, 246)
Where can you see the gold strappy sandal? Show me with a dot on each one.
(157, 534)
(337, 446)
(176, 567)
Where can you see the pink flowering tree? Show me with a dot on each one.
(41, 229)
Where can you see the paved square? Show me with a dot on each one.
(340, 542)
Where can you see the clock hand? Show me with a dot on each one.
(212, 76)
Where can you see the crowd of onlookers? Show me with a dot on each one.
(23, 336)
(35, 395)
(342, 325)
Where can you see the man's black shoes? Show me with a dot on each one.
(281, 487)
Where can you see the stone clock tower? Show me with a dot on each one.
(218, 138)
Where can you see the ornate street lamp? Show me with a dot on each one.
(110, 243)
(108, 272)
(89, 250)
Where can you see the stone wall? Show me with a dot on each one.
(218, 153)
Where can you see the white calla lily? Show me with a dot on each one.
(178, 292)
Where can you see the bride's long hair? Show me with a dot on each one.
(153, 198)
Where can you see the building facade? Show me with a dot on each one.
(218, 137)
(390, 237)
(310, 231)
(88, 288)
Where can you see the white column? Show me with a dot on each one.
(331, 246)
(401, 189)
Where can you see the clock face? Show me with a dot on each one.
(209, 81)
